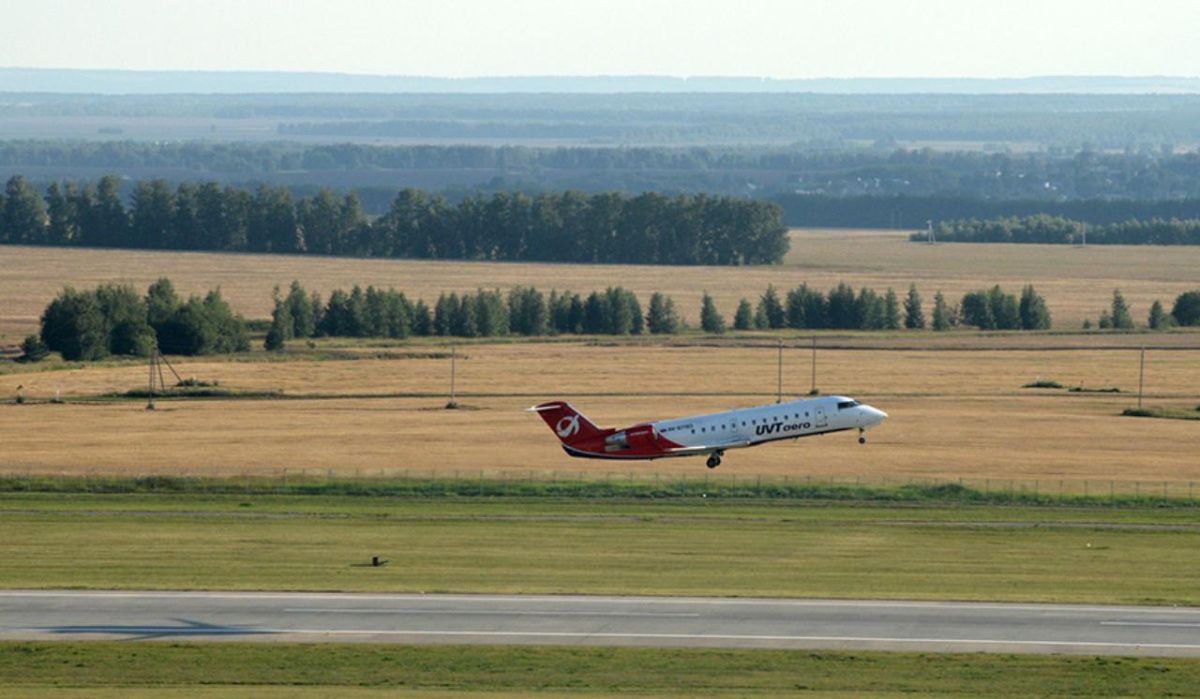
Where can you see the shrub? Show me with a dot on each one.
(1187, 308)
(33, 349)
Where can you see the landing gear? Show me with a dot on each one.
(714, 460)
(862, 437)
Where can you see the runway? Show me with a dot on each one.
(607, 621)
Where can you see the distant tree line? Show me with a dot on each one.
(818, 183)
(1061, 231)
(911, 211)
(115, 319)
(566, 227)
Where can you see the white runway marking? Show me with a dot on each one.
(1176, 624)
(484, 612)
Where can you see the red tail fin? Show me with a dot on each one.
(568, 423)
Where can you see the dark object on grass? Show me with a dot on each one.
(1081, 389)
(1041, 383)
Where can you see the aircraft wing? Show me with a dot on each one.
(708, 448)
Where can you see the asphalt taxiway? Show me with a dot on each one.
(595, 620)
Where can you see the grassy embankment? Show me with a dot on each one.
(266, 670)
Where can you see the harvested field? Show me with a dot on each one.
(954, 413)
(1076, 283)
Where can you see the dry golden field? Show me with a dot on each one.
(954, 413)
(1077, 283)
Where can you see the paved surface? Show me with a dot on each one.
(624, 621)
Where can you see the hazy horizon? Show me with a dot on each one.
(148, 82)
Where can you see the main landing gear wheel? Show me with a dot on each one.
(714, 460)
(862, 438)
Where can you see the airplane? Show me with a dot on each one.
(708, 435)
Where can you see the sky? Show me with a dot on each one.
(475, 38)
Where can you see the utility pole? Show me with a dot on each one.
(779, 380)
(1141, 375)
(813, 389)
(929, 232)
(453, 362)
(153, 366)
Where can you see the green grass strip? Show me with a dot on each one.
(701, 547)
(241, 667)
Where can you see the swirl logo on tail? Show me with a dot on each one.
(567, 426)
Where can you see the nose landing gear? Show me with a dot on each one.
(714, 459)
(862, 436)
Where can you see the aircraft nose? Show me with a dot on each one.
(874, 415)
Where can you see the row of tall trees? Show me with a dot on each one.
(1063, 231)
(373, 312)
(648, 228)
(1185, 312)
(842, 308)
(115, 319)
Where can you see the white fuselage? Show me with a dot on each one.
(766, 423)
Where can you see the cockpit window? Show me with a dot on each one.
(847, 404)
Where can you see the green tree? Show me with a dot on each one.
(1186, 310)
(621, 315)
(24, 213)
(105, 221)
(711, 320)
(743, 319)
(1033, 311)
(1121, 318)
(443, 310)
(891, 310)
(189, 330)
(941, 313)
(772, 309)
(282, 324)
(232, 335)
(977, 310)
(661, 316)
(63, 227)
(463, 322)
(73, 325)
(914, 316)
(1159, 318)
(842, 308)
(422, 319)
(868, 310)
(302, 310)
(1005, 310)
(528, 313)
(125, 320)
(161, 302)
(152, 216)
(492, 313)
